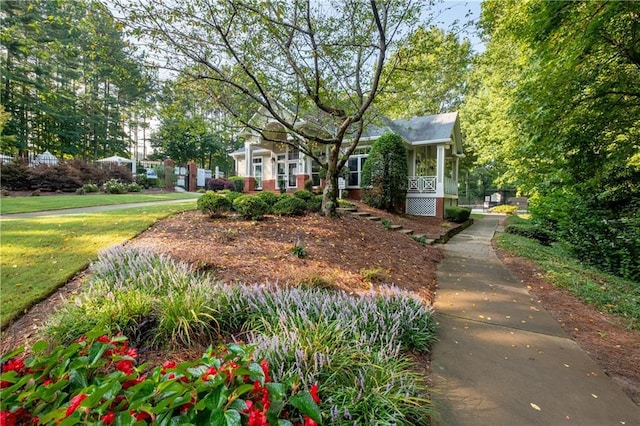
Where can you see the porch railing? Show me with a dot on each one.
(429, 185)
(422, 184)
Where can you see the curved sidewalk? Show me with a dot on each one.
(501, 359)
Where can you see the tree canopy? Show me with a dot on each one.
(300, 62)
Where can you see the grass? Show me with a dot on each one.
(41, 254)
(9, 205)
(606, 292)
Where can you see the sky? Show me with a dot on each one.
(461, 14)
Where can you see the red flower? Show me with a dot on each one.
(185, 408)
(108, 418)
(13, 365)
(140, 416)
(47, 382)
(257, 387)
(211, 371)
(309, 421)
(167, 365)
(7, 418)
(35, 420)
(314, 393)
(126, 366)
(257, 417)
(104, 339)
(265, 399)
(75, 403)
(4, 384)
(127, 384)
(249, 405)
(265, 370)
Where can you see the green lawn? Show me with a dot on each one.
(615, 295)
(10, 205)
(41, 254)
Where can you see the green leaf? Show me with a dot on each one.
(78, 378)
(303, 402)
(217, 398)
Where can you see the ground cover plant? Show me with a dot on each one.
(11, 205)
(607, 292)
(96, 380)
(353, 345)
(41, 254)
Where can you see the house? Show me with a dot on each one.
(434, 146)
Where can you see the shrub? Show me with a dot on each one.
(250, 207)
(134, 187)
(95, 380)
(375, 275)
(457, 214)
(303, 194)
(145, 182)
(114, 186)
(530, 230)
(384, 175)
(308, 185)
(282, 184)
(268, 197)
(213, 204)
(218, 184)
(315, 203)
(290, 206)
(238, 183)
(231, 196)
(504, 208)
(88, 188)
(298, 250)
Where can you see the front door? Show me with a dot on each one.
(257, 172)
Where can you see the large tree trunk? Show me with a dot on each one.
(330, 194)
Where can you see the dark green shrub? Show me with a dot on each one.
(384, 175)
(114, 186)
(238, 183)
(134, 187)
(231, 196)
(88, 188)
(457, 214)
(284, 196)
(290, 206)
(213, 204)
(308, 185)
(315, 204)
(532, 231)
(250, 207)
(268, 197)
(303, 194)
(282, 184)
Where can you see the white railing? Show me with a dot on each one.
(450, 186)
(423, 184)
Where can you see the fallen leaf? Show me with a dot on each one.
(534, 406)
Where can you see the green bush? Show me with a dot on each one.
(308, 185)
(457, 214)
(315, 203)
(250, 207)
(238, 183)
(268, 197)
(134, 187)
(529, 230)
(88, 188)
(303, 194)
(384, 175)
(114, 186)
(213, 204)
(231, 196)
(290, 206)
(504, 208)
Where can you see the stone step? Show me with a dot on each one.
(361, 214)
(405, 231)
(346, 209)
(420, 236)
(395, 227)
(374, 218)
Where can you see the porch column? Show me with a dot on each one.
(248, 160)
(440, 171)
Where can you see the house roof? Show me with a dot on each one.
(430, 128)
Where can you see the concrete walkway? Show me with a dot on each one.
(501, 359)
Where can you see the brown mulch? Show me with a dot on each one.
(339, 253)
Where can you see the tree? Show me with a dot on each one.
(385, 171)
(307, 65)
(427, 74)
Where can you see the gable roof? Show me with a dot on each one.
(430, 128)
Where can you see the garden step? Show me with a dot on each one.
(420, 236)
(361, 214)
(405, 231)
(395, 227)
(373, 218)
(346, 209)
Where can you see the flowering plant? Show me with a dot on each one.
(96, 381)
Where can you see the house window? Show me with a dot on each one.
(257, 172)
(355, 164)
(315, 172)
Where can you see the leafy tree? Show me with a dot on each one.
(427, 74)
(385, 172)
(305, 65)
